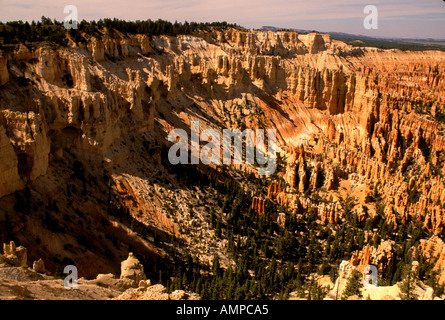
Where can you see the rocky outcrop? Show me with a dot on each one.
(380, 257)
(130, 190)
(344, 273)
(10, 180)
(281, 64)
(259, 205)
(328, 213)
(434, 249)
(23, 53)
(346, 269)
(345, 117)
(156, 292)
(28, 135)
(273, 190)
(132, 271)
(14, 256)
(39, 266)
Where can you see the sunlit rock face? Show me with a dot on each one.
(359, 116)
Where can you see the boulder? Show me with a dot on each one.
(144, 284)
(178, 295)
(39, 266)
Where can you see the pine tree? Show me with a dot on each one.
(216, 267)
(218, 229)
(310, 290)
(333, 273)
(408, 284)
(348, 204)
(353, 286)
(184, 282)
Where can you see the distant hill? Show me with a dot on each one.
(366, 41)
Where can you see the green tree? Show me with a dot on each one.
(333, 273)
(408, 284)
(353, 286)
(348, 204)
(218, 229)
(216, 266)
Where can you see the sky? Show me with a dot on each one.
(396, 18)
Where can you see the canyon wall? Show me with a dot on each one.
(366, 117)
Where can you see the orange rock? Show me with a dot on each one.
(259, 205)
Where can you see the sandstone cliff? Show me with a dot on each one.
(91, 119)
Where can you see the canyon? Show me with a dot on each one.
(84, 172)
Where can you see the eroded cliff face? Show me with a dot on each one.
(434, 249)
(4, 74)
(345, 118)
(78, 97)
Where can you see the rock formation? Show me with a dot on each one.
(132, 271)
(156, 292)
(344, 273)
(15, 256)
(369, 255)
(360, 119)
(378, 292)
(39, 266)
(258, 205)
(434, 248)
